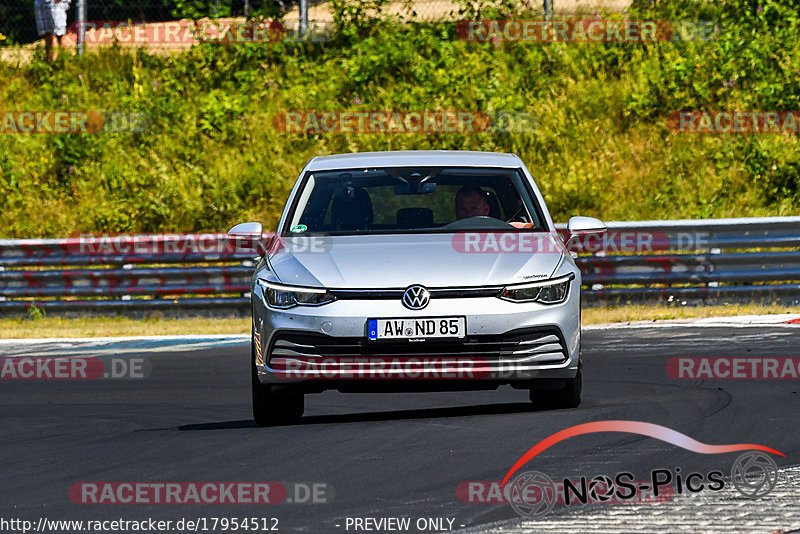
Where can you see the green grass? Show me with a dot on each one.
(602, 146)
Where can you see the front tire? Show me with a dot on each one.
(567, 397)
(270, 409)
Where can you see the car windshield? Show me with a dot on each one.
(413, 200)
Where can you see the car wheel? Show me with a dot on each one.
(270, 409)
(567, 397)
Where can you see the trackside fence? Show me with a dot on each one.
(683, 262)
(695, 262)
(182, 273)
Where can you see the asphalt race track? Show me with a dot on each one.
(393, 455)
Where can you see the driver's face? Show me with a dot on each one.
(471, 205)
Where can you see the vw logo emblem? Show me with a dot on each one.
(416, 298)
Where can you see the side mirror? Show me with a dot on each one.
(249, 235)
(248, 229)
(578, 226)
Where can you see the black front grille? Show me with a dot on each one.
(441, 292)
(534, 346)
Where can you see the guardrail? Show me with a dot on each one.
(191, 273)
(690, 261)
(696, 261)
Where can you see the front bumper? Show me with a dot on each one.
(326, 347)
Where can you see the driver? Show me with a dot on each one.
(470, 202)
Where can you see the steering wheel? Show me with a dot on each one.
(477, 222)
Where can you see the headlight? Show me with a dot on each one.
(285, 297)
(552, 291)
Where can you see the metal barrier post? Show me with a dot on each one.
(303, 27)
(548, 9)
(81, 20)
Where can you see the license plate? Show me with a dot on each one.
(417, 328)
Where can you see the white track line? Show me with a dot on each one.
(779, 320)
(187, 337)
(115, 346)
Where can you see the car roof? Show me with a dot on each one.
(405, 158)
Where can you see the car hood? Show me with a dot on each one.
(398, 261)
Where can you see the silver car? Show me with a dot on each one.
(414, 271)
